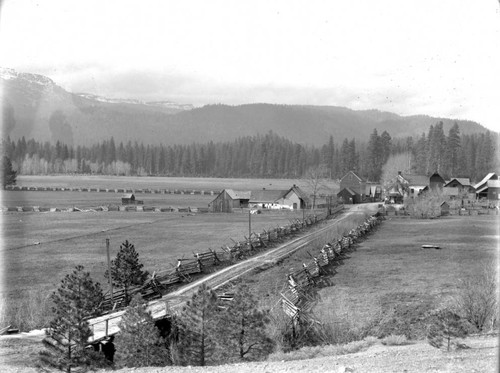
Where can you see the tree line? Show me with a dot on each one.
(264, 156)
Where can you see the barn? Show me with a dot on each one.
(462, 183)
(483, 189)
(354, 183)
(229, 199)
(348, 196)
(436, 181)
(129, 199)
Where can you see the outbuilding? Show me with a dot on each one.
(129, 199)
(348, 196)
(229, 199)
(445, 208)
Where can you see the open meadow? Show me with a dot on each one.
(389, 284)
(156, 182)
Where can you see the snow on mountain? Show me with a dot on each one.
(164, 104)
(10, 74)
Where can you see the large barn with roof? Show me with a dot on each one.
(229, 199)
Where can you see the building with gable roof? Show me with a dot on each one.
(488, 187)
(229, 199)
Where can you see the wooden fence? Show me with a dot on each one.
(201, 263)
(297, 301)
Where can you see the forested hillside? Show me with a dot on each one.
(35, 107)
(452, 154)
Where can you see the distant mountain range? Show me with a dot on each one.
(34, 106)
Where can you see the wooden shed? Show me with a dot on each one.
(229, 199)
(129, 199)
(348, 196)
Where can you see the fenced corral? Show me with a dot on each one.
(298, 299)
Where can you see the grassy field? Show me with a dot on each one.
(389, 284)
(79, 181)
(39, 249)
(87, 200)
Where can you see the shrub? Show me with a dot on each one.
(31, 311)
(477, 299)
(324, 351)
(395, 340)
(446, 327)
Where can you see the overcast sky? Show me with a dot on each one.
(440, 58)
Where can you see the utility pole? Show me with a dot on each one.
(250, 227)
(109, 271)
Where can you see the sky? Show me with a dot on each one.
(439, 58)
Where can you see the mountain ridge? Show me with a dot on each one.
(34, 106)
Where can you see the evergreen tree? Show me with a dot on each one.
(126, 270)
(375, 156)
(197, 325)
(9, 176)
(242, 328)
(139, 343)
(452, 151)
(77, 298)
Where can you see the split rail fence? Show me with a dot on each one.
(297, 300)
(162, 282)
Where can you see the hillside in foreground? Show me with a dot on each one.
(19, 355)
(35, 107)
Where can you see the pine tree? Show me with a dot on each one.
(452, 151)
(9, 176)
(139, 343)
(241, 328)
(196, 343)
(375, 156)
(126, 270)
(77, 298)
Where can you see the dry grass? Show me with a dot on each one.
(395, 340)
(392, 283)
(32, 310)
(324, 351)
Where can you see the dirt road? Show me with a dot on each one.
(108, 324)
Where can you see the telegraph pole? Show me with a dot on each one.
(109, 271)
(250, 227)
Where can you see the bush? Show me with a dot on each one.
(31, 311)
(395, 340)
(324, 351)
(477, 300)
(446, 327)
